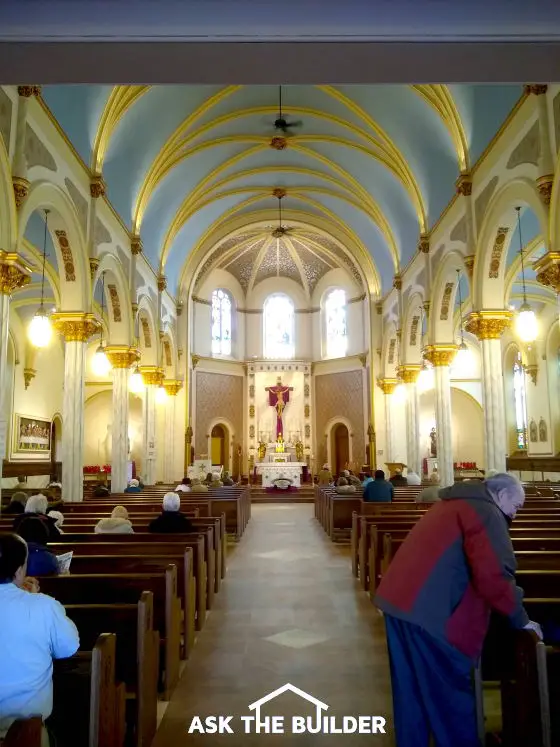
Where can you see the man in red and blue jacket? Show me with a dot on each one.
(454, 568)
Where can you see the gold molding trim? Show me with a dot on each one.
(15, 272)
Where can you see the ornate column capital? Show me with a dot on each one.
(189, 434)
(440, 355)
(136, 245)
(548, 270)
(397, 282)
(14, 272)
(97, 186)
(488, 325)
(463, 185)
(161, 283)
(544, 186)
(179, 308)
(75, 327)
(195, 360)
(152, 375)
(387, 386)
(535, 89)
(28, 376)
(424, 243)
(371, 432)
(93, 265)
(469, 265)
(20, 186)
(121, 356)
(172, 386)
(27, 91)
(379, 307)
(409, 373)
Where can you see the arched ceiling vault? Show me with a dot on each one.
(381, 161)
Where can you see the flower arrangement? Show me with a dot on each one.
(95, 469)
(465, 466)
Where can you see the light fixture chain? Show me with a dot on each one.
(521, 254)
(44, 258)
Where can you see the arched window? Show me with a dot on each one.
(279, 327)
(221, 322)
(520, 402)
(335, 318)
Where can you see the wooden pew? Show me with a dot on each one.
(88, 704)
(136, 659)
(24, 732)
(126, 588)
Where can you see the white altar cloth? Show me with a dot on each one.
(274, 471)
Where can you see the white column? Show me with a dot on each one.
(387, 386)
(121, 358)
(412, 428)
(443, 425)
(152, 377)
(170, 475)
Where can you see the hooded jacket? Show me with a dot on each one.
(113, 525)
(456, 565)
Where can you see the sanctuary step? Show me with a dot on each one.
(304, 494)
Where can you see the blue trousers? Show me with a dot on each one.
(433, 692)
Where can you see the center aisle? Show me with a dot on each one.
(288, 612)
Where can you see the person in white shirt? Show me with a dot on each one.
(184, 486)
(34, 631)
(412, 478)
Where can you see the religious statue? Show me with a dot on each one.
(433, 443)
(299, 451)
(262, 451)
(278, 397)
(280, 444)
(543, 430)
(533, 436)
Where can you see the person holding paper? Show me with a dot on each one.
(40, 562)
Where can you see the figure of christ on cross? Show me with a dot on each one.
(278, 397)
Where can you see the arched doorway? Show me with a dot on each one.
(56, 446)
(340, 447)
(219, 445)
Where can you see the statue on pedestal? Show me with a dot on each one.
(433, 443)
(299, 451)
(262, 451)
(280, 448)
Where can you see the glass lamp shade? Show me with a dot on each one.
(161, 395)
(399, 395)
(425, 380)
(135, 383)
(463, 361)
(40, 330)
(100, 363)
(526, 324)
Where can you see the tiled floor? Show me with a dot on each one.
(289, 612)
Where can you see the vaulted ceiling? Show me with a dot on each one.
(377, 162)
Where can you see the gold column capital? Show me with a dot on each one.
(75, 326)
(424, 243)
(27, 91)
(409, 373)
(136, 245)
(535, 89)
(21, 187)
(97, 186)
(548, 270)
(544, 187)
(387, 386)
(488, 325)
(172, 386)
(463, 185)
(469, 264)
(152, 375)
(161, 283)
(440, 355)
(15, 272)
(195, 360)
(122, 356)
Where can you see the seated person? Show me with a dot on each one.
(216, 482)
(412, 478)
(171, 519)
(37, 505)
(184, 486)
(58, 519)
(197, 486)
(208, 479)
(398, 478)
(343, 488)
(227, 480)
(431, 493)
(325, 475)
(117, 523)
(379, 490)
(101, 491)
(17, 503)
(133, 486)
(366, 481)
(35, 630)
(352, 479)
(40, 562)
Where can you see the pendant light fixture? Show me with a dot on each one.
(40, 328)
(526, 324)
(463, 359)
(136, 383)
(100, 364)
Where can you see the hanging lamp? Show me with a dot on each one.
(526, 324)
(40, 328)
(101, 364)
(463, 359)
(136, 383)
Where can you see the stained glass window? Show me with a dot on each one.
(335, 315)
(520, 403)
(278, 327)
(221, 322)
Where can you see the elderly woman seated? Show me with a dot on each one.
(197, 486)
(17, 503)
(133, 487)
(215, 482)
(343, 488)
(431, 493)
(40, 562)
(227, 480)
(171, 520)
(117, 523)
(37, 505)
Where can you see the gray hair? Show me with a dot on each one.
(216, 476)
(133, 484)
(171, 502)
(58, 518)
(37, 504)
(19, 497)
(507, 492)
(491, 473)
(341, 482)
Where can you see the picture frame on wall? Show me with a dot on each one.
(32, 437)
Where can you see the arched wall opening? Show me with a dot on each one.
(219, 450)
(340, 447)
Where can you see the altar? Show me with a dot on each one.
(272, 471)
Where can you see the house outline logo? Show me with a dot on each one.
(288, 687)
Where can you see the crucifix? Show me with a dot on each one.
(278, 397)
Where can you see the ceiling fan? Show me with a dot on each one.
(280, 230)
(281, 124)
